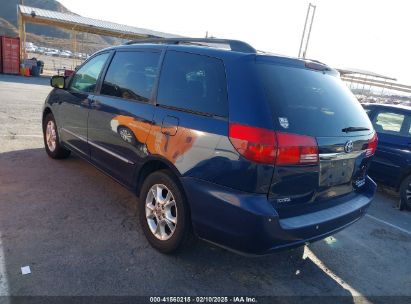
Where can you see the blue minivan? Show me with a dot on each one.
(391, 165)
(250, 151)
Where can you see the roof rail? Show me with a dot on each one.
(235, 45)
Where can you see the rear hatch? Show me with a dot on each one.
(325, 139)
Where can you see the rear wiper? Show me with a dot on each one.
(354, 129)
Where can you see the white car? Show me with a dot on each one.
(31, 49)
(52, 53)
(65, 54)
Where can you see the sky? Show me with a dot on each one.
(364, 34)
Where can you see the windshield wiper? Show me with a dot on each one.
(354, 129)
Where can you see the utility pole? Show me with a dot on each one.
(22, 31)
(311, 9)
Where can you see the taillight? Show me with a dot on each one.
(296, 149)
(372, 146)
(270, 147)
(255, 144)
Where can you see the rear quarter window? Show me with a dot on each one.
(194, 83)
(390, 123)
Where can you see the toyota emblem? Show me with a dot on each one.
(349, 146)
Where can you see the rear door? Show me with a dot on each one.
(191, 117)
(121, 114)
(317, 105)
(391, 157)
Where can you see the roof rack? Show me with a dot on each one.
(235, 45)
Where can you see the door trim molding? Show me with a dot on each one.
(99, 147)
(74, 134)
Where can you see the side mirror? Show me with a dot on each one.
(57, 82)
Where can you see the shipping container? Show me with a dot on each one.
(10, 55)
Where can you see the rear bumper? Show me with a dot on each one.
(248, 223)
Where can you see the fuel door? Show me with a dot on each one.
(169, 126)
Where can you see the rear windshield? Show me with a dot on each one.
(311, 102)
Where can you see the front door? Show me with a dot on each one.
(75, 104)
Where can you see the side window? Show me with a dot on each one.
(407, 126)
(389, 122)
(131, 75)
(193, 82)
(85, 79)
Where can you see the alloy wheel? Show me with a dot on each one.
(51, 136)
(161, 212)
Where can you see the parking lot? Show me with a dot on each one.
(77, 229)
(54, 63)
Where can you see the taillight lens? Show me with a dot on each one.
(296, 149)
(372, 146)
(270, 147)
(255, 144)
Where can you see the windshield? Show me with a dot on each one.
(311, 102)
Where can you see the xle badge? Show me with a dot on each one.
(284, 200)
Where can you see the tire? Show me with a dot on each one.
(405, 203)
(165, 221)
(51, 138)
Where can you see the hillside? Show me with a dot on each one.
(8, 13)
(46, 35)
(8, 9)
(7, 29)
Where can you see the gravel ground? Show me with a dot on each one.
(77, 230)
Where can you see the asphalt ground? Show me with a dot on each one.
(77, 229)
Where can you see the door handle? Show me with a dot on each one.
(86, 102)
(93, 103)
(169, 126)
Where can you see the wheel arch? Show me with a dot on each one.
(406, 174)
(46, 111)
(153, 164)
